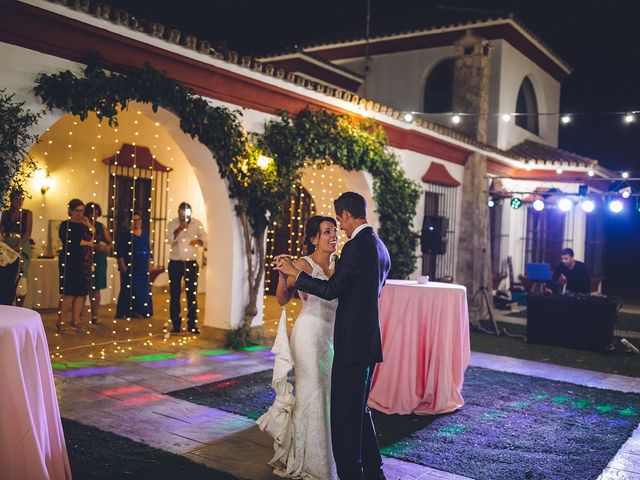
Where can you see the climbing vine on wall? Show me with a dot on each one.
(259, 186)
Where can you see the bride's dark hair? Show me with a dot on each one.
(311, 229)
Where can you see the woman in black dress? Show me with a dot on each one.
(74, 263)
(15, 229)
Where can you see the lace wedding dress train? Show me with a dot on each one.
(300, 426)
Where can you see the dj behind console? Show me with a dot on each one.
(572, 320)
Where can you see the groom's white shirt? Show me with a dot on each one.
(358, 230)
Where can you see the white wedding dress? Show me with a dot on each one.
(303, 443)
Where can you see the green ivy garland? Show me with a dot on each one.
(260, 190)
(321, 137)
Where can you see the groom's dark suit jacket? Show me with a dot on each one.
(356, 283)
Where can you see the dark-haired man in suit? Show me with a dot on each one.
(357, 283)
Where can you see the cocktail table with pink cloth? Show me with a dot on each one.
(31, 437)
(425, 342)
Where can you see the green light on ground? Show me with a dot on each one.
(254, 348)
(604, 408)
(539, 396)
(520, 404)
(492, 415)
(581, 403)
(451, 430)
(560, 399)
(212, 353)
(151, 358)
(62, 366)
(627, 412)
(394, 450)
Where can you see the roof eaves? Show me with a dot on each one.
(189, 41)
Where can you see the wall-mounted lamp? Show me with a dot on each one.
(43, 181)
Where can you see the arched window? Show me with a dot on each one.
(528, 104)
(438, 90)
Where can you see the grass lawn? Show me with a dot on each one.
(620, 362)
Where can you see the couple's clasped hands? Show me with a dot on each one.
(284, 264)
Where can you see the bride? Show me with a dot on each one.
(309, 454)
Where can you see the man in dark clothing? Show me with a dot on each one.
(571, 275)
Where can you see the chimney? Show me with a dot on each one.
(471, 84)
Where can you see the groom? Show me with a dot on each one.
(358, 279)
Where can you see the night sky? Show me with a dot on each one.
(598, 39)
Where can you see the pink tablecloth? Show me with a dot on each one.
(31, 437)
(425, 341)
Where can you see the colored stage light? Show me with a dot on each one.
(616, 206)
(538, 205)
(516, 203)
(588, 206)
(565, 205)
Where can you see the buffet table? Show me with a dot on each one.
(32, 442)
(425, 342)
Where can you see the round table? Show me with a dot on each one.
(31, 438)
(425, 343)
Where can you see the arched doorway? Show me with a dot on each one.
(81, 159)
(320, 186)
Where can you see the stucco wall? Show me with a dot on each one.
(509, 68)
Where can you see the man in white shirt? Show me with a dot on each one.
(184, 235)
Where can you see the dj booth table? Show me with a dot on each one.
(583, 322)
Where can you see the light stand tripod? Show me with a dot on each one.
(482, 296)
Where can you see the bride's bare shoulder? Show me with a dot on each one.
(303, 265)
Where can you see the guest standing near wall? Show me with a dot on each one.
(15, 227)
(133, 251)
(184, 235)
(102, 245)
(74, 264)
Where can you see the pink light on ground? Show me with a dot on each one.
(227, 384)
(113, 392)
(205, 378)
(152, 397)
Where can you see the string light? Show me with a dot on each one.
(506, 117)
(455, 119)
(565, 119)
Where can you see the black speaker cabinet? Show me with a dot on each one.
(433, 235)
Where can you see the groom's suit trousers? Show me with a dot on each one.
(353, 436)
